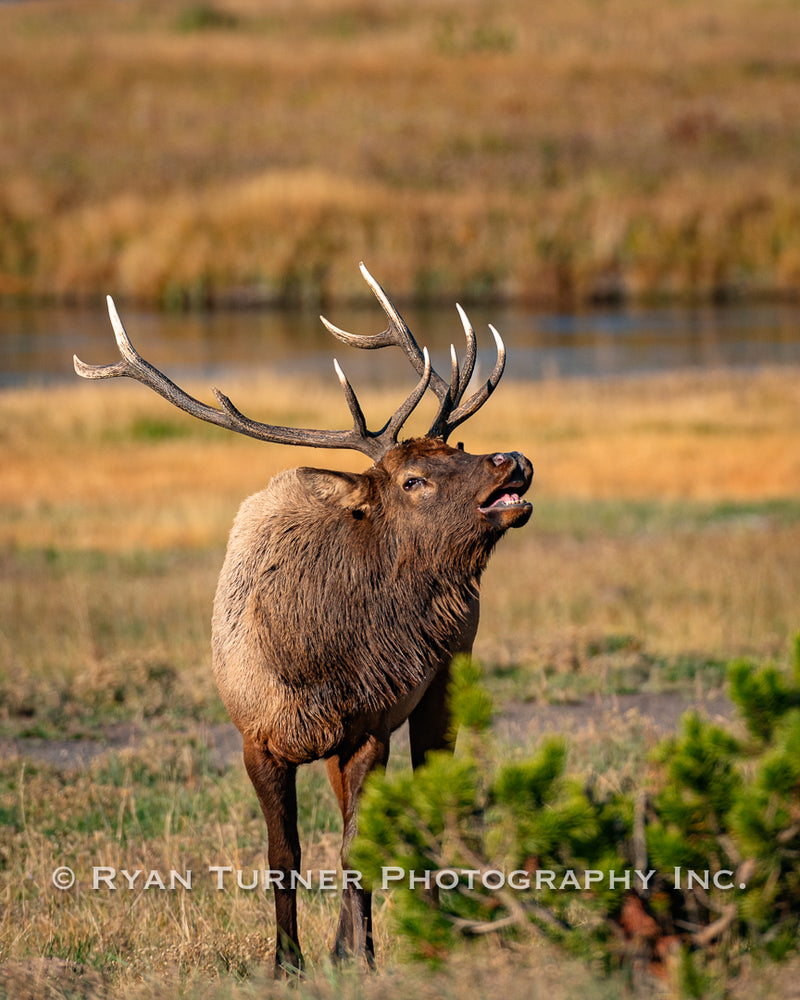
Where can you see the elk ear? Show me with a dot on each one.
(344, 489)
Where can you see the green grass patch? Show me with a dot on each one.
(584, 519)
(149, 429)
(595, 668)
(205, 17)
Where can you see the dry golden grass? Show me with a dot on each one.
(540, 151)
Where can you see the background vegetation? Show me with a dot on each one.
(664, 543)
(237, 150)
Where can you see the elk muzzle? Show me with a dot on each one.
(504, 507)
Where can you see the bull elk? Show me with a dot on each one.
(344, 597)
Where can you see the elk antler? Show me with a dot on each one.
(452, 411)
(375, 444)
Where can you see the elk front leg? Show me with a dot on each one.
(430, 724)
(276, 788)
(347, 775)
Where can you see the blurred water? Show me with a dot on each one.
(37, 342)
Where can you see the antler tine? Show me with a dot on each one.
(471, 355)
(134, 366)
(454, 381)
(392, 428)
(448, 401)
(359, 423)
(397, 325)
(477, 399)
(397, 334)
(367, 342)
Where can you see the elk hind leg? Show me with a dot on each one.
(276, 788)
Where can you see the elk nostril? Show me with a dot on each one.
(499, 458)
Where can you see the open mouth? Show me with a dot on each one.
(503, 499)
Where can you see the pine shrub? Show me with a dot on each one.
(689, 866)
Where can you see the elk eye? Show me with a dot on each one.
(413, 482)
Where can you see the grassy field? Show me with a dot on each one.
(664, 542)
(194, 152)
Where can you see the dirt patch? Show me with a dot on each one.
(223, 742)
(526, 723)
